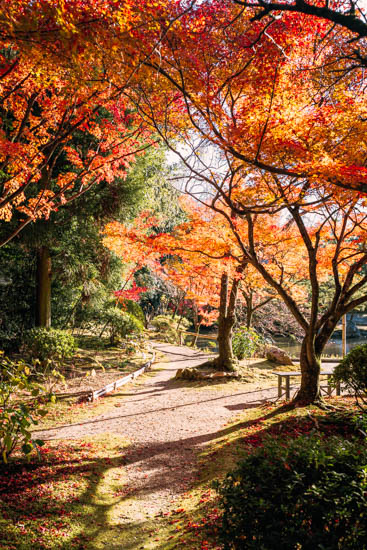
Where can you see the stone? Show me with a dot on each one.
(196, 374)
(278, 356)
(189, 374)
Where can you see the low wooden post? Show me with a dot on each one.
(287, 388)
(329, 387)
(344, 335)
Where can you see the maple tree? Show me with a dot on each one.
(287, 133)
(266, 97)
(132, 293)
(56, 144)
(64, 129)
(347, 14)
(189, 259)
(208, 271)
(318, 237)
(241, 49)
(58, 141)
(207, 266)
(210, 284)
(64, 68)
(275, 142)
(327, 236)
(255, 293)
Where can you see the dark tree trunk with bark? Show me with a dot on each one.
(227, 318)
(225, 360)
(43, 305)
(310, 363)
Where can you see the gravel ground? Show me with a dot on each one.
(167, 424)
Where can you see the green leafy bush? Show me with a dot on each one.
(21, 406)
(304, 495)
(166, 322)
(352, 371)
(49, 345)
(168, 326)
(121, 324)
(246, 342)
(135, 309)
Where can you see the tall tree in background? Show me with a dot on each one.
(84, 273)
(57, 143)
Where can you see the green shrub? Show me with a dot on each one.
(246, 342)
(121, 324)
(135, 309)
(352, 371)
(21, 398)
(167, 322)
(49, 345)
(304, 495)
(167, 326)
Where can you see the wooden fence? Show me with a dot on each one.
(122, 381)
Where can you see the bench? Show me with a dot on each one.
(287, 374)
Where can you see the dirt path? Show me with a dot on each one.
(166, 424)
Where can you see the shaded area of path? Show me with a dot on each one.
(167, 424)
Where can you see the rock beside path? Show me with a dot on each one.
(196, 374)
(278, 356)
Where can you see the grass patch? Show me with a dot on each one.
(95, 364)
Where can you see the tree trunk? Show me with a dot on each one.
(249, 308)
(310, 362)
(196, 335)
(195, 318)
(225, 360)
(227, 318)
(43, 305)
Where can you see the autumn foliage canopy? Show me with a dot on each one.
(264, 105)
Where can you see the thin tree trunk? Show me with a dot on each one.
(196, 335)
(44, 272)
(225, 360)
(195, 317)
(249, 311)
(175, 309)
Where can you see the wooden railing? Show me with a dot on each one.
(122, 381)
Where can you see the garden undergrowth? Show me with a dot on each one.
(77, 497)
